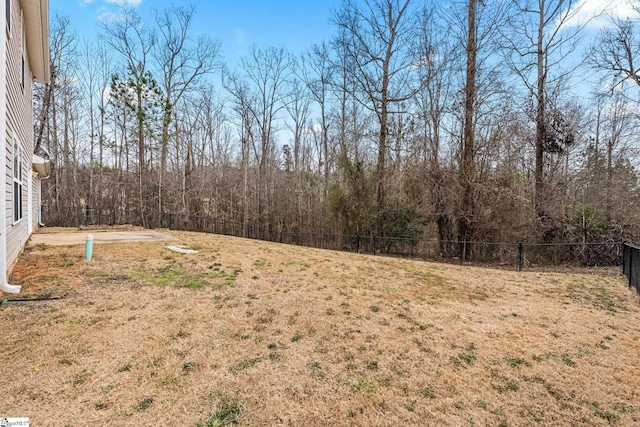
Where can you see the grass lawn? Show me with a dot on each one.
(255, 333)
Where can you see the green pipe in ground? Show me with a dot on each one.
(88, 253)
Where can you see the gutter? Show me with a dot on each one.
(44, 21)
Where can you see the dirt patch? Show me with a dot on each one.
(48, 272)
(99, 236)
(264, 334)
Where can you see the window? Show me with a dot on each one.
(22, 70)
(17, 180)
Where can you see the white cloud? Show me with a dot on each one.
(106, 16)
(599, 13)
(108, 13)
(85, 2)
(130, 3)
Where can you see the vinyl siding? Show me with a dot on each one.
(20, 124)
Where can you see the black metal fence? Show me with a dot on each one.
(516, 256)
(631, 265)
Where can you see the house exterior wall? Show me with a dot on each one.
(19, 122)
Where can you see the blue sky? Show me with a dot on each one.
(237, 24)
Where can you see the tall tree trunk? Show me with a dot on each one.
(141, 157)
(467, 171)
(92, 147)
(245, 187)
(164, 149)
(325, 149)
(54, 145)
(380, 166)
(44, 112)
(540, 122)
(608, 201)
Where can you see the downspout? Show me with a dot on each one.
(4, 285)
(30, 202)
(40, 223)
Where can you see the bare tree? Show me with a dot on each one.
(261, 93)
(182, 64)
(467, 171)
(473, 28)
(539, 42)
(242, 103)
(298, 106)
(617, 52)
(613, 129)
(316, 70)
(95, 73)
(62, 49)
(379, 40)
(435, 69)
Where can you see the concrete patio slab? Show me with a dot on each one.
(79, 238)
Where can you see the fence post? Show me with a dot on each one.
(87, 214)
(630, 268)
(630, 265)
(373, 244)
(412, 243)
(520, 250)
(358, 243)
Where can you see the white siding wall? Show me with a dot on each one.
(20, 123)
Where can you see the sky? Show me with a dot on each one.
(237, 24)
(597, 14)
(293, 24)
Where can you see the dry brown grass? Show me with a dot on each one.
(267, 334)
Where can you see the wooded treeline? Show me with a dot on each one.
(473, 121)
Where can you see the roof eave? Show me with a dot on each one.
(36, 18)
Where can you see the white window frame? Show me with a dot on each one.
(18, 185)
